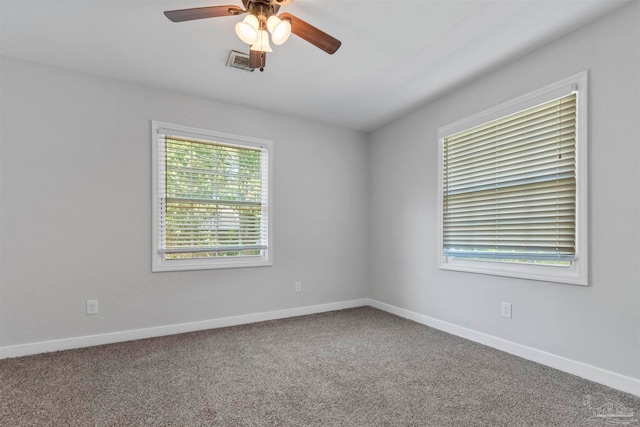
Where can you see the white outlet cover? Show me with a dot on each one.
(92, 306)
(506, 310)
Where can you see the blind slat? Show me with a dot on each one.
(213, 198)
(509, 185)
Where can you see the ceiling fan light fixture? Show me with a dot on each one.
(272, 23)
(262, 43)
(252, 20)
(247, 29)
(261, 21)
(281, 31)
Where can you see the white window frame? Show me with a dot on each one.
(159, 263)
(578, 272)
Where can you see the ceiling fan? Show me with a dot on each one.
(253, 29)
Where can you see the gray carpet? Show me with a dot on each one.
(358, 367)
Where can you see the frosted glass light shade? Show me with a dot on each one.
(272, 22)
(247, 29)
(252, 20)
(262, 45)
(280, 32)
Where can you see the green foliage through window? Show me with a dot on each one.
(213, 201)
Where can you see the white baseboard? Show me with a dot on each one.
(110, 338)
(592, 373)
(583, 370)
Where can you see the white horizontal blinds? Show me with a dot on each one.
(510, 186)
(213, 198)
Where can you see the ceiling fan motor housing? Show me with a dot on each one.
(262, 11)
(269, 2)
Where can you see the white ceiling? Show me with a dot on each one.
(395, 54)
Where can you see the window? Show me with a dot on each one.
(513, 188)
(211, 205)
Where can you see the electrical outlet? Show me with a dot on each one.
(297, 287)
(92, 306)
(506, 310)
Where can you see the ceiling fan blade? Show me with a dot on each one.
(312, 34)
(182, 15)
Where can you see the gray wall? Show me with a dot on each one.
(76, 210)
(598, 325)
